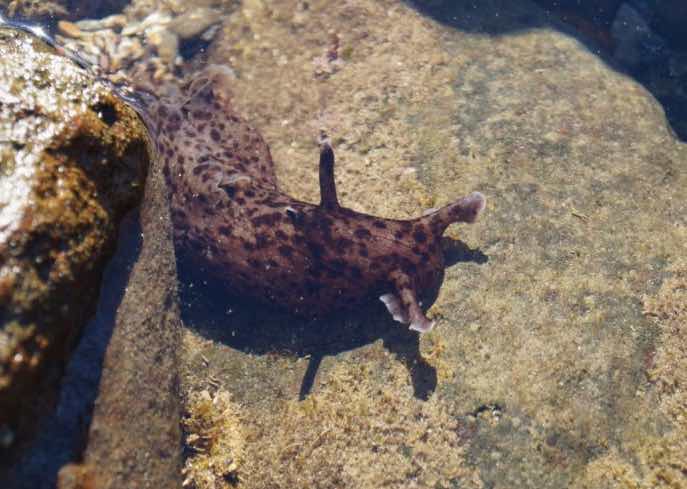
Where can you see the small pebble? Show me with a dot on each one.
(166, 42)
(69, 29)
(117, 21)
(153, 21)
(194, 22)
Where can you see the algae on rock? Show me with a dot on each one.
(545, 342)
(74, 161)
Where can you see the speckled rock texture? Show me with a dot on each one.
(558, 357)
(73, 161)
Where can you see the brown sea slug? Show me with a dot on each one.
(230, 217)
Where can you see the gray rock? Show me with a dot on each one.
(115, 22)
(194, 22)
(134, 439)
(166, 42)
(120, 384)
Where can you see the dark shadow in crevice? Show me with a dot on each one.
(659, 61)
(590, 24)
(252, 327)
(62, 435)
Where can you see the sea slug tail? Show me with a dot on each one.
(466, 209)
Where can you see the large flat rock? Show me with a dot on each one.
(558, 358)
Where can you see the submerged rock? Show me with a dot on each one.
(73, 160)
(554, 366)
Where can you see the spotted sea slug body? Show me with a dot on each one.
(230, 217)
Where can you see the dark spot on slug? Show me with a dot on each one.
(311, 287)
(316, 250)
(261, 241)
(343, 244)
(229, 189)
(362, 233)
(285, 251)
(200, 168)
(337, 264)
(408, 267)
(266, 219)
(419, 236)
(296, 217)
(314, 271)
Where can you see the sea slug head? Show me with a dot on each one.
(405, 257)
(417, 262)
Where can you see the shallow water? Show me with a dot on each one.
(544, 351)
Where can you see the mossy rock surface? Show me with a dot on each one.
(554, 363)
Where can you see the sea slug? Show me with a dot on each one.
(230, 217)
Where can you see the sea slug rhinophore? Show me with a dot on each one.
(231, 219)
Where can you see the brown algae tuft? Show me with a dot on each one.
(214, 436)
